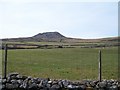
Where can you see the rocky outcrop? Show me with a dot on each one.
(49, 35)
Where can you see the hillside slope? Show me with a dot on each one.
(57, 37)
(41, 37)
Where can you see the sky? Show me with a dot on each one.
(25, 18)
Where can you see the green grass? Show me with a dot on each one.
(65, 63)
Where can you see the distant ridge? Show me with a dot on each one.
(46, 36)
(57, 37)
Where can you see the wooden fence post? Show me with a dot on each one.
(5, 62)
(100, 67)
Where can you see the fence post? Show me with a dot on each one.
(5, 62)
(100, 67)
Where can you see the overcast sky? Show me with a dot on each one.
(72, 19)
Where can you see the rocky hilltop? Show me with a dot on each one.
(47, 36)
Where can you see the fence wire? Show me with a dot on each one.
(64, 63)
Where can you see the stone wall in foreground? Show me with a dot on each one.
(16, 81)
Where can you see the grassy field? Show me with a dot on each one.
(65, 63)
(59, 43)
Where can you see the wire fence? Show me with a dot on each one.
(64, 63)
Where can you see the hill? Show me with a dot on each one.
(56, 36)
(47, 36)
(55, 39)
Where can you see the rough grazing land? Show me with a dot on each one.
(65, 63)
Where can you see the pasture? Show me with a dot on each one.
(64, 63)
